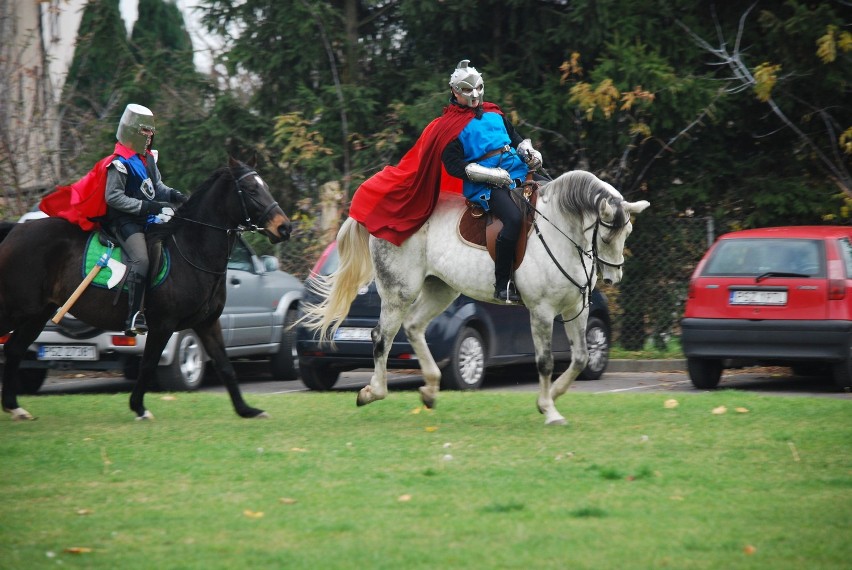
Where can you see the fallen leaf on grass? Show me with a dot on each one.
(720, 410)
(741, 410)
(77, 550)
(168, 398)
(404, 498)
(287, 501)
(416, 410)
(749, 549)
(431, 428)
(670, 404)
(83, 512)
(298, 449)
(253, 514)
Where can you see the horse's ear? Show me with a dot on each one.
(605, 211)
(232, 162)
(253, 162)
(636, 207)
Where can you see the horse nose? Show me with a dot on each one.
(607, 281)
(284, 230)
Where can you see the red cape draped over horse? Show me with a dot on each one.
(84, 200)
(396, 201)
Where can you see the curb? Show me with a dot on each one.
(628, 365)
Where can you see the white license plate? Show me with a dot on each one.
(758, 297)
(67, 352)
(352, 333)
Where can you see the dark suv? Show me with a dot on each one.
(466, 340)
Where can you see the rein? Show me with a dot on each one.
(249, 226)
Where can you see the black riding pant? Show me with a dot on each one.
(504, 207)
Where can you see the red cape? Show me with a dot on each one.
(395, 202)
(85, 199)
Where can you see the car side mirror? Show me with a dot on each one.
(270, 263)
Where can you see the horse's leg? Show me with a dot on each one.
(433, 299)
(14, 351)
(398, 280)
(155, 342)
(576, 331)
(210, 335)
(541, 322)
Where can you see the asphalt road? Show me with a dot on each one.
(627, 378)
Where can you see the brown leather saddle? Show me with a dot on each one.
(480, 228)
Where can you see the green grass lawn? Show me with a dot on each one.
(479, 482)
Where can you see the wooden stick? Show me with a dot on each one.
(80, 288)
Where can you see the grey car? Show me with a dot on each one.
(262, 302)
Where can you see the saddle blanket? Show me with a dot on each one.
(95, 249)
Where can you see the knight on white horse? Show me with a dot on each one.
(402, 232)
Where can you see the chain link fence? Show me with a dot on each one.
(661, 255)
(646, 306)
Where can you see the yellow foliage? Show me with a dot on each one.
(640, 129)
(846, 141)
(571, 67)
(765, 76)
(299, 142)
(831, 42)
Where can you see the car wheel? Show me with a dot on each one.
(318, 378)
(597, 341)
(131, 367)
(30, 380)
(843, 374)
(705, 373)
(186, 372)
(284, 364)
(466, 370)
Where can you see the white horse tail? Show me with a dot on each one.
(339, 289)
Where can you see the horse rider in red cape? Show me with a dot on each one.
(471, 148)
(126, 189)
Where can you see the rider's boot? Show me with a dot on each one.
(135, 317)
(504, 289)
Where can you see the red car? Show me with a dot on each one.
(772, 297)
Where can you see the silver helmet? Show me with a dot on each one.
(136, 128)
(467, 84)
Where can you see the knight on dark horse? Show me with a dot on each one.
(42, 262)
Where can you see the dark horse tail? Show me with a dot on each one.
(5, 228)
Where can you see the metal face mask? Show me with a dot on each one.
(136, 128)
(467, 84)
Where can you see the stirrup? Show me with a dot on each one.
(137, 325)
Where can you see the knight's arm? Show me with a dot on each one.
(453, 159)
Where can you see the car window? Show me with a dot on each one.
(240, 258)
(754, 257)
(846, 253)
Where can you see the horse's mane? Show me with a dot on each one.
(579, 192)
(189, 209)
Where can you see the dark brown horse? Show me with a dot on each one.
(40, 267)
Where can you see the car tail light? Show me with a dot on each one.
(4, 339)
(836, 280)
(122, 340)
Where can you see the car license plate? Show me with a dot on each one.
(67, 352)
(758, 297)
(352, 333)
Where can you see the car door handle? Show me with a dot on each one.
(235, 281)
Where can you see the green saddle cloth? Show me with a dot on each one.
(95, 249)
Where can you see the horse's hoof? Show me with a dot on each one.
(19, 414)
(556, 422)
(427, 398)
(261, 416)
(146, 416)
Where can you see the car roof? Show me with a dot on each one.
(819, 232)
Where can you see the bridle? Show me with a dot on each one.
(593, 254)
(249, 226)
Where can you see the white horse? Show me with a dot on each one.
(581, 222)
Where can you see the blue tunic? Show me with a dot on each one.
(480, 137)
